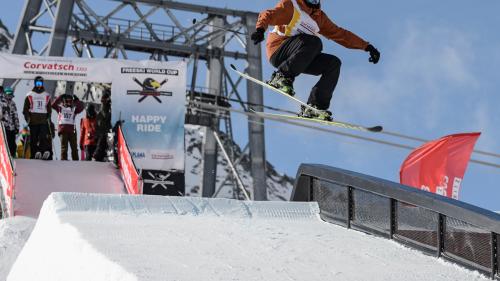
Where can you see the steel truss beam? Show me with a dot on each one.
(193, 8)
(167, 48)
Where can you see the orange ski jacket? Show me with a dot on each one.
(88, 134)
(285, 17)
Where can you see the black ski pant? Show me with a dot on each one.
(302, 54)
(11, 141)
(40, 139)
(102, 147)
(89, 152)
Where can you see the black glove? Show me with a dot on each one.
(258, 35)
(374, 54)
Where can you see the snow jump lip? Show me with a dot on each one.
(82, 236)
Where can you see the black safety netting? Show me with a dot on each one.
(417, 225)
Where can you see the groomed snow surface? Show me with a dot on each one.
(13, 234)
(121, 237)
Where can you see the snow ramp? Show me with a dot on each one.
(125, 237)
(36, 179)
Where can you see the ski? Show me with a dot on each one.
(341, 124)
(374, 129)
(248, 77)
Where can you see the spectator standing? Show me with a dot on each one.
(37, 111)
(88, 138)
(67, 107)
(103, 126)
(10, 119)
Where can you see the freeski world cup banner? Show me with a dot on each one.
(149, 97)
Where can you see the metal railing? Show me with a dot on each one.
(454, 230)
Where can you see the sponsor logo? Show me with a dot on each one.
(138, 154)
(149, 88)
(162, 156)
(64, 68)
(134, 70)
(159, 179)
(53, 66)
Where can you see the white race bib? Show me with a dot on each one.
(301, 23)
(38, 102)
(67, 116)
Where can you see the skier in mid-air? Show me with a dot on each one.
(294, 47)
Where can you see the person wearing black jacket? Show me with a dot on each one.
(103, 126)
(36, 111)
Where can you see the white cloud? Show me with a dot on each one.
(423, 72)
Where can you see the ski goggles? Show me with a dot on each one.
(313, 2)
(38, 83)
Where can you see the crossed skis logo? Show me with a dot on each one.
(150, 88)
(159, 179)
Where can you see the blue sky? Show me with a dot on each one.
(438, 75)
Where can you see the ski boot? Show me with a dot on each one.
(46, 155)
(282, 83)
(323, 115)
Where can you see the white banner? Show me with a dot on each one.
(57, 68)
(150, 97)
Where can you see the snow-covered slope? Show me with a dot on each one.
(279, 186)
(13, 234)
(122, 237)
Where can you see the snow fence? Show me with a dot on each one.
(441, 226)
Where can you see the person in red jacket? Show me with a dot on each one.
(294, 47)
(67, 107)
(88, 137)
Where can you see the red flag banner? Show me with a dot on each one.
(439, 166)
(6, 172)
(130, 176)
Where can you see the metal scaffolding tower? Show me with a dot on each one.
(5, 37)
(125, 28)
